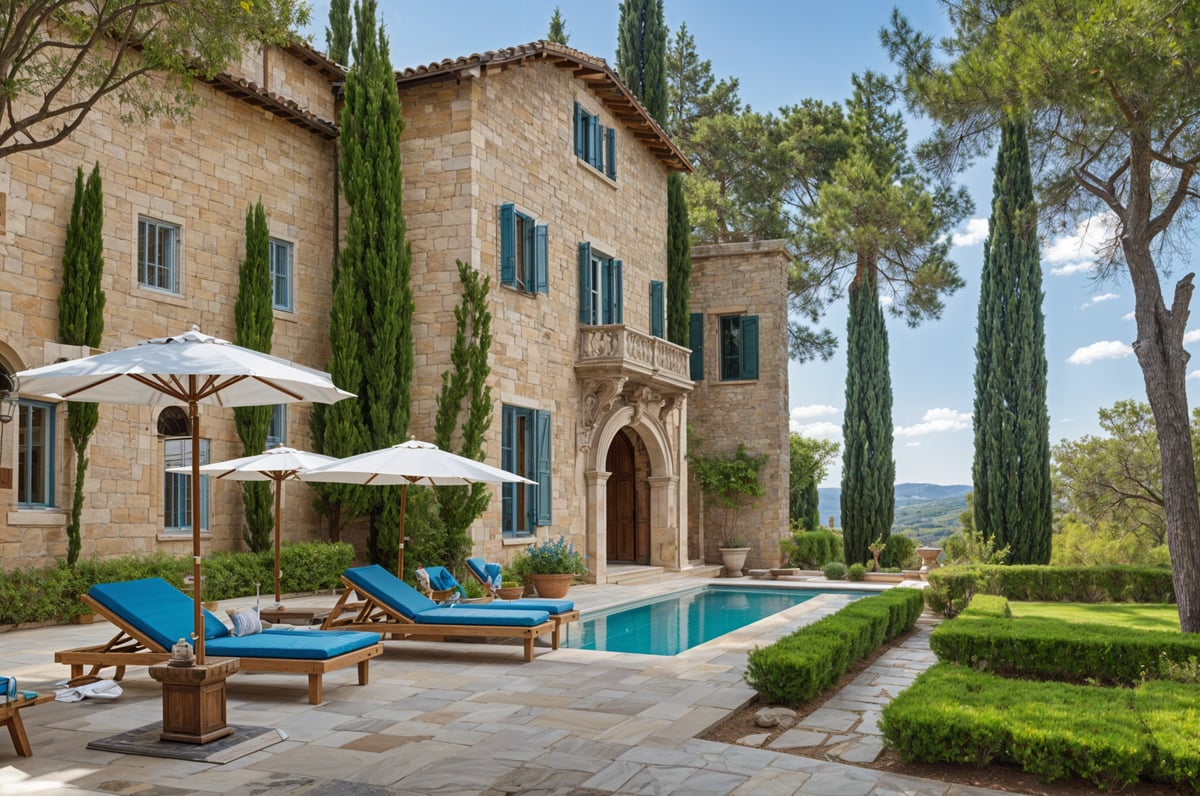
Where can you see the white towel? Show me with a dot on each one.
(101, 689)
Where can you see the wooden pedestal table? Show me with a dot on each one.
(10, 716)
(194, 700)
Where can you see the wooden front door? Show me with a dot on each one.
(622, 508)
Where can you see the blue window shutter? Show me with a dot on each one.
(541, 259)
(542, 465)
(618, 293)
(596, 155)
(585, 284)
(580, 130)
(507, 424)
(656, 308)
(696, 343)
(750, 347)
(610, 153)
(508, 245)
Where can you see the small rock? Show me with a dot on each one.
(775, 717)
(758, 739)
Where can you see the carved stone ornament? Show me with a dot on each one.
(598, 398)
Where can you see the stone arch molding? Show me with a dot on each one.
(648, 426)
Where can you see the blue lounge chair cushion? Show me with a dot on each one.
(552, 607)
(157, 609)
(476, 615)
(411, 604)
(308, 645)
(440, 579)
(488, 573)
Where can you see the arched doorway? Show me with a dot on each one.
(624, 546)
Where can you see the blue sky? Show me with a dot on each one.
(782, 52)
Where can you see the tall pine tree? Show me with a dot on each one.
(338, 34)
(254, 326)
(868, 469)
(81, 322)
(558, 28)
(1012, 425)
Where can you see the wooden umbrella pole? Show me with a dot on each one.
(198, 608)
(400, 543)
(278, 488)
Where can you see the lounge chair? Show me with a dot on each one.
(563, 612)
(375, 599)
(151, 615)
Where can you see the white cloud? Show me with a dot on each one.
(936, 420)
(1195, 374)
(812, 410)
(1090, 236)
(1129, 316)
(976, 232)
(1105, 297)
(822, 430)
(886, 301)
(1191, 335)
(1105, 349)
(1073, 268)
(912, 444)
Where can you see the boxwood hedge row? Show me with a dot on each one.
(1109, 736)
(951, 588)
(801, 665)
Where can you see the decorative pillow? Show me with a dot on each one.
(493, 575)
(245, 621)
(423, 580)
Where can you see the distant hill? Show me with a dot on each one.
(928, 512)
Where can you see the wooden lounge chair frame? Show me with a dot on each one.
(10, 716)
(357, 609)
(129, 647)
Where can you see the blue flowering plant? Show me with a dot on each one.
(549, 557)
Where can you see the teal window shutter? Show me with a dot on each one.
(585, 284)
(580, 131)
(541, 260)
(508, 462)
(541, 446)
(696, 343)
(656, 308)
(610, 153)
(596, 151)
(750, 347)
(618, 302)
(508, 245)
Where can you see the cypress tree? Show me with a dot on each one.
(868, 469)
(254, 326)
(81, 322)
(337, 35)
(679, 263)
(558, 28)
(465, 383)
(642, 53)
(1012, 425)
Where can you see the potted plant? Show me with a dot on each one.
(551, 565)
(510, 589)
(727, 481)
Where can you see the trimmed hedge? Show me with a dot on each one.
(988, 605)
(1076, 653)
(803, 664)
(1111, 737)
(49, 593)
(951, 588)
(811, 549)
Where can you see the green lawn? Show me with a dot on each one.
(1140, 615)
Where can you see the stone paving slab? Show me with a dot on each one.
(468, 718)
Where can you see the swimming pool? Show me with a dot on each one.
(676, 622)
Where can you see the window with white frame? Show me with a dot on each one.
(524, 252)
(281, 274)
(177, 487)
(35, 455)
(158, 255)
(600, 287)
(277, 430)
(595, 143)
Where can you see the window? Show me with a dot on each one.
(277, 431)
(525, 450)
(739, 347)
(696, 343)
(523, 251)
(177, 488)
(35, 451)
(657, 308)
(158, 255)
(595, 143)
(600, 287)
(281, 274)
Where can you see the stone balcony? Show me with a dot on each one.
(615, 351)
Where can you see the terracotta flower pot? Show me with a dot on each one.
(510, 592)
(553, 587)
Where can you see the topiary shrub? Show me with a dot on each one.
(856, 572)
(834, 570)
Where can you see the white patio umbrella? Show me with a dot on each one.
(192, 369)
(412, 462)
(275, 464)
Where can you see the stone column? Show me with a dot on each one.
(596, 524)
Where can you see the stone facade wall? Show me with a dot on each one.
(743, 279)
(507, 136)
(201, 176)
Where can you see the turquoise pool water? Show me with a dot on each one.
(680, 621)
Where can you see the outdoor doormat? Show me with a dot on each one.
(242, 741)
